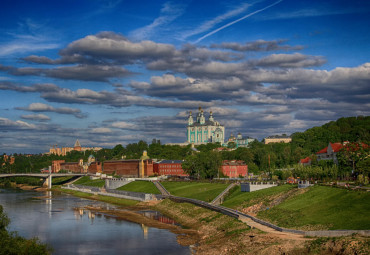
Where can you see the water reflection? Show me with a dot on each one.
(154, 215)
(55, 220)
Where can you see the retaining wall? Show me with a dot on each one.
(253, 186)
(115, 183)
(115, 193)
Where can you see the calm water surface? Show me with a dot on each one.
(55, 220)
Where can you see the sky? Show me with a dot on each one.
(111, 72)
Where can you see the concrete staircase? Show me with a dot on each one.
(161, 188)
(220, 198)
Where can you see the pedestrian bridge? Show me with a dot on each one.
(47, 176)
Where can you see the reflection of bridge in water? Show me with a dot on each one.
(47, 176)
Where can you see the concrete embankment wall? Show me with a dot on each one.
(116, 183)
(114, 193)
(253, 186)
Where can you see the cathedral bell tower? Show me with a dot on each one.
(211, 116)
(190, 119)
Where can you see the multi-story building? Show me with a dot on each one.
(240, 141)
(202, 131)
(64, 150)
(234, 168)
(129, 168)
(169, 167)
(278, 139)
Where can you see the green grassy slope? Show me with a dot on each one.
(238, 199)
(322, 208)
(197, 190)
(141, 186)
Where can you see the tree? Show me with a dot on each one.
(352, 154)
(203, 165)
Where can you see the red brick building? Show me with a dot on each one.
(73, 167)
(129, 168)
(234, 168)
(169, 167)
(95, 167)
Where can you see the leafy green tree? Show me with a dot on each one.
(203, 165)
(11, 243)
(352, 154)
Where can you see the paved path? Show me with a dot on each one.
(161, 188)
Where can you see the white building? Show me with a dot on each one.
(204, 131)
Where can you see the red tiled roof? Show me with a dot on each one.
(325, 150)
(305, 160)
(336, 146)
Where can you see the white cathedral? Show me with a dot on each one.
(204, 131)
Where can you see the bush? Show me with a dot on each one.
(12, 243)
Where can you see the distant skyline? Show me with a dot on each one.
(111, 72)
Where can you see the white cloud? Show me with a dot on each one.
(124, 125)
(101, 130)
(37, 117)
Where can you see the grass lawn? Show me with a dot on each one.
(237, 199)
(197, 190)
(87, 182)
(108, 199)
(141, 186)
(326, 207)
(61, 180)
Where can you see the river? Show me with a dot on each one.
(54, 219)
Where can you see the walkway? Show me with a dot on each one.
(161, 188)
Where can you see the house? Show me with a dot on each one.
(330, 152)
(305, 162)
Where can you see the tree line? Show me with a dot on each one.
(258, 156)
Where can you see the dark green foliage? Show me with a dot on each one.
(11, 243)
(203, 165)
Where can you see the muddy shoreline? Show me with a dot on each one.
(185, 237)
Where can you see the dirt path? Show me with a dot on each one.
(271, 231)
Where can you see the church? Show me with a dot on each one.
(202, 131)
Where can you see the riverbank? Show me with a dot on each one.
(214, 233)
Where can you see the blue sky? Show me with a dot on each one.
(115, 72)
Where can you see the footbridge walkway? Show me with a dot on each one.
(47, 176)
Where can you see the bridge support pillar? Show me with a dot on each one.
(48, 182)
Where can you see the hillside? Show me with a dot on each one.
(353, 129)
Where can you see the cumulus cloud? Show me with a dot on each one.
(100, 73)
(124, 125)
(37, 117)
(259, 45)
(100, 130)
(40, 107)
(112, 46)
(290, 60)
(18, 125)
